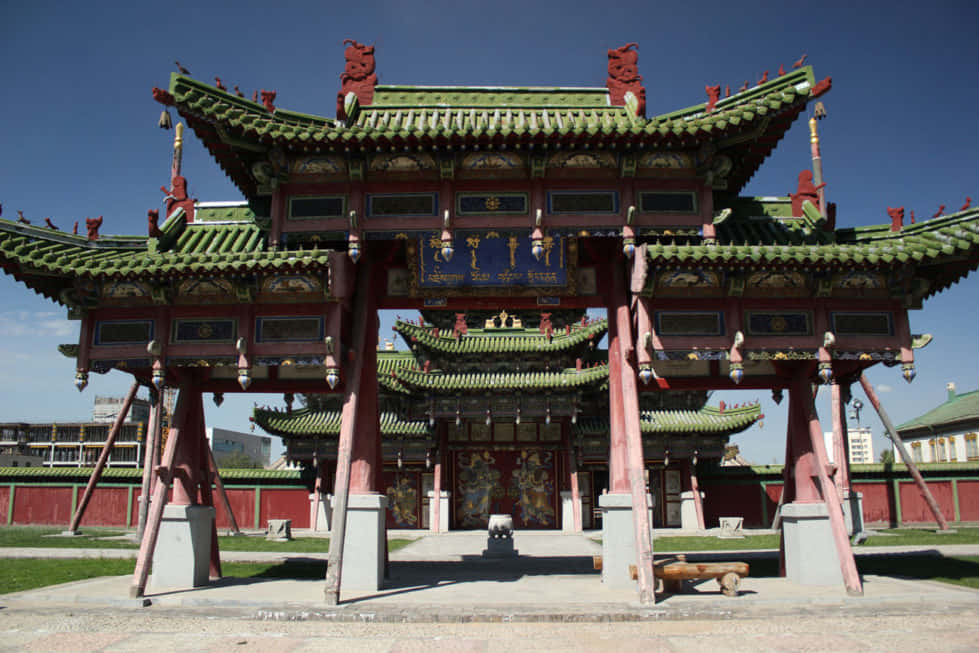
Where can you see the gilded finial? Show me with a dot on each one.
(813, 136)
(178, 137)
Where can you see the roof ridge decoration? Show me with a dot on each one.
(358, 78)
(624, 81)
(481, 341)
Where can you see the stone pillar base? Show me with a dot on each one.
(853, 512)
(443, 525)
(183, 548)
(324, 521)
(810, 552)
(567, 511)
(688, 511)
(619, 538)
(364, 546)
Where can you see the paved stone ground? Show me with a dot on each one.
(443, 596)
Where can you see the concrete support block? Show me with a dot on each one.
(183, 547)
(853, 512)
(364, 546)
(688, 511)
(443, 510)
(810, 552)
(324, 521)
(567, 511)
(619, 538)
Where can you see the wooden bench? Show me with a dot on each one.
(676, 570)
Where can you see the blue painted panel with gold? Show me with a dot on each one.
(778, 323)
(204, 330)
(492, 259)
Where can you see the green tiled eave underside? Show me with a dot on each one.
(201, 249)
(310, 423)
(770, 241)
(484, 342)
(445, 112)
(307, 424)
(437, 381)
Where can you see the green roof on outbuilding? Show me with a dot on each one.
(958, 411)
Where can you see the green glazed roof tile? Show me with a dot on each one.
(956, 409)
(307, 423)
(708, 420)
(479, 341)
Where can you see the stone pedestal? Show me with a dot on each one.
(364, 545)
(619, 538)
(810, 553)
(323, 521)
(443, 510)
(183, 547)
(853, 512)
(499, 542)
(688, 511)
(567, 511)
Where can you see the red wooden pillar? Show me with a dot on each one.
(366, 466)
(618, 477)
(187, 456)
(803, 460)
(841, 476)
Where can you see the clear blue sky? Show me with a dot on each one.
(78, 131)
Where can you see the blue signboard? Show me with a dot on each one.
(492, 259)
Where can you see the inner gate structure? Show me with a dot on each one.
(502, 214)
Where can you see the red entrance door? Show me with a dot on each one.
(518, 482)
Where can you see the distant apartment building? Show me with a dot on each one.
(947, 433)
(860, 442)
(77, 444)
(106, 409)
(225, 443)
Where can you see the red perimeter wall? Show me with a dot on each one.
(727, 495)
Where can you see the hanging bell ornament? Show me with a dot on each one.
(908, 372)
(645, 374)
(332, 378)
(81, 380)
(165, 122)
(218, 398)
(159, 378)
(354, 252)
(244, 377)
(825, 372)
(737, 373)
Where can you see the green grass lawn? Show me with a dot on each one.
(695, 543)
(912, 536)
(20, 574)
(92, 538)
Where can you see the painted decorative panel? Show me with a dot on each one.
(492, 259)
(205, 287)
(675, 160)
(319, 165)
(291, 284)
(859, 280)
(582, 160)
(503, 432)
(598, 201)
(198, 361)
(777, 279)
(550, 432)
(404, 502)
(690, 323)
(123, 332)
(862, 324)
(125, 289)
(103, 366)
(288, 329)
(312, 208)
(527, 432)
(778, 323)
(204, 331)
(491, 203)
(493, 161)
(402, 162)
(688, 278)
(663, 202)
(404, 205)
